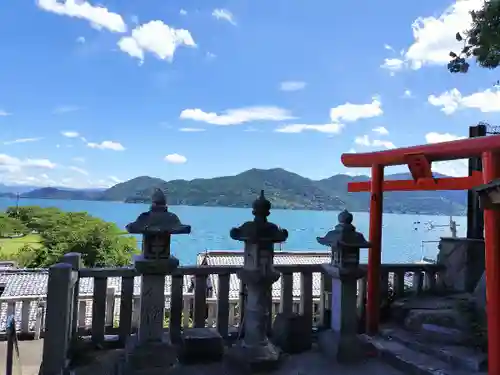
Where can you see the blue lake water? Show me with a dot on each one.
(211, 225)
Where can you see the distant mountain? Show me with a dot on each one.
(14, 189)
(57, 193)
(284, 189)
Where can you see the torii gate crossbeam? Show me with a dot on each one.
(419, 160)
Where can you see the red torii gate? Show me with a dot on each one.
(419, 160)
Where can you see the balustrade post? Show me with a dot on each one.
(340, 341)
(57, 325)
(75, 260)
(155, 262)
(254, 351)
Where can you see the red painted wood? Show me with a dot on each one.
(375, 251)
(491, 171)
(431, 184)
(419, 166)
(461, 149)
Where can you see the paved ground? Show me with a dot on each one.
(30, 354)
(310, 363)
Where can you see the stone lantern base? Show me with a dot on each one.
(252, 359)
(161, 266)
(341, 341)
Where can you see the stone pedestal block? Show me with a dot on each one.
(163, 266)
(464, 261)
(149, 356)
(252, 359)
(292, 333)
(201, 345)
(341, 347)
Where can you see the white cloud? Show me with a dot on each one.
(79, 170)
(343, 113)
(114, 179)
(251, 129)
(107, 145)
(455, 168)
(434, 137)
(365, 141)
(362, 141)
(450, 101)
(237, 116)
(65, 109)
(407, 94)
(22, 140)
(380, 130)
(191, 130)
(79, 159)
(392, 64)
(183, 12)
(13, 164)
(352, 112)
(175, 159)
(434, 37)
(211, 56)
(382, 143)
(157, 38)
(80, 40)
(98, 16)
(292, 85)
(4, 113)
(224, 14)
(70, 134)
(299, 128)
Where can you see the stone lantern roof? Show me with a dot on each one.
(259, 229)
(158, 219)
(344, 234)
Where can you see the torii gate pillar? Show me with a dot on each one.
(419, 160)
(375, 251)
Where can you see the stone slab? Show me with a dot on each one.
(410, 361)
(151, 355)
(341, 348)
(155, 266)
(455, 355)
(292, 333)
(201, 345)
(251, 360)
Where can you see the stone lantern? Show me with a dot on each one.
(345, 242)
(255, 351)
(155, 262)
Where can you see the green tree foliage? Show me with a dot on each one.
(100, 243)
(10, 227)
(481, 41)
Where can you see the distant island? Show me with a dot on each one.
(283, 188)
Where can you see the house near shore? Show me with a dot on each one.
(24, 291)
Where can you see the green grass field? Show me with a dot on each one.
(9, 247)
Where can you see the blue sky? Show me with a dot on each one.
(93, 93)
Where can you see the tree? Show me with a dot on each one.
(481, 41)
(10, 227)
(100, 243)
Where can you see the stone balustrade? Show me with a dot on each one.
(30, 310)
(154, 296)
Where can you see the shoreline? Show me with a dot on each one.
(249, 206)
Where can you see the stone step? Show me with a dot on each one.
(409, 361)
(456, 356)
